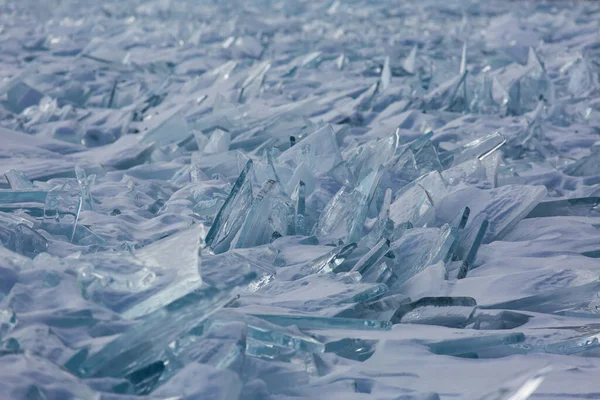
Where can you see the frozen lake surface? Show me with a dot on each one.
(299, 200)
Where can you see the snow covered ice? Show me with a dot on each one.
(290, 199)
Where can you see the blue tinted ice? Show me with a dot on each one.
(299, 199)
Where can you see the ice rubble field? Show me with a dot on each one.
(299, 200)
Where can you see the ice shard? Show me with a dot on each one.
(18, 180)
(373, 257)
(266, 332)
(384, 226)
(144, 342)
(345, 214)
(438, 302)
(231, 216)
(308, 322)
(578, 299)
(299, 199)
(319, 146)
(582, 206)
(179, 256)
(386, 74)
(472, 344)
(270, 212)
(503, 207)
(165, 128)
(422, 248)
(323, 294)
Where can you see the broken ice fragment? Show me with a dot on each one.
(144, 342)
(386, 74)
(353, 349)
(308, 322)
(323, 293)
(373, 257)
(410, 62)
(581, 79)
(218, 143)
(384, 226)
(422, 248)
(61, 211)
(22, 196)
(22, 239)
(299, 198)
(581, 299)
(20, 96)
(461, 346)
(432, 302)
(165, 128)
(253, 83)
(340, 61)
(322, 147)
(582, 206)
(179, 256)
(585, 166)
(119, 281)
(503, 207)
(345, 214)
(413, 204)
(231, 216)
(478, 148)
(18, 180)
(269, 213)
(260, 329)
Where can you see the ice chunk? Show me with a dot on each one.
(178, 256)
(21, 238)
(372, 258)
(410, 62)
(221, 345)
(467, 345)
(578, 299)
(321, 147)
(345, 214)
(252, 85)
(413, 204)
(165, 128)
(386, 74)
(407, 307)
(231, 216)
(384, 226)
(299, 199)
(420, 248)
(266, 332)
(118, 281)
(270, 212)
(353, 349)
(238, 262)
(218, 143)
(18, 180)
(367, 158)
(582, 206)
(585, 166)
(144, 342)
(479, 148)
(315, 293)
(21, 95)
(502, 207)
(308, 322)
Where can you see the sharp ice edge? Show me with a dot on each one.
(276, 199)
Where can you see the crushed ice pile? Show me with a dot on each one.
(285, 199)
